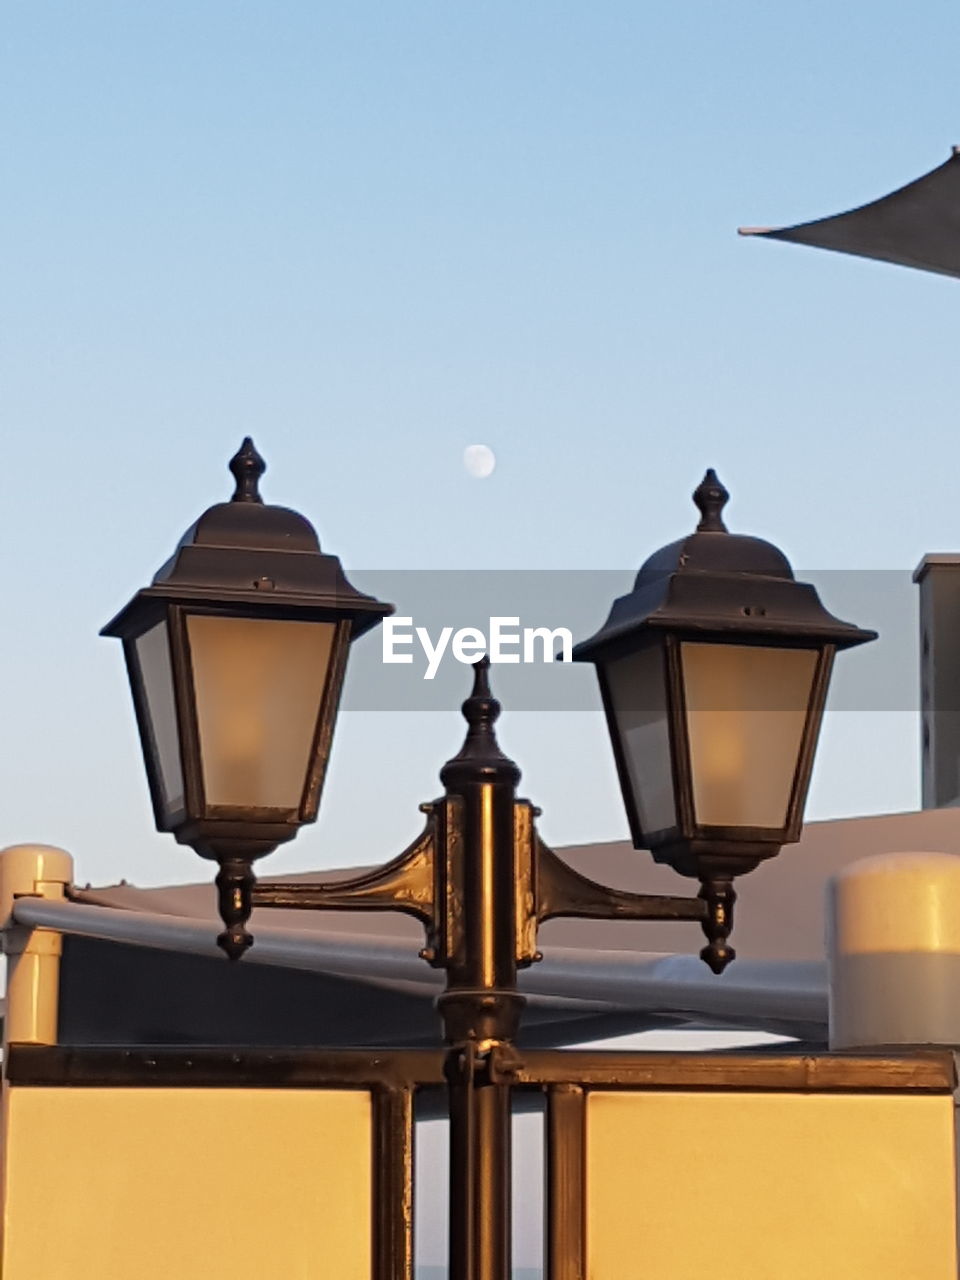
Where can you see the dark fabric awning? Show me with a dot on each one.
(916, 226)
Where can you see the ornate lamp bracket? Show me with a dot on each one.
(431, 880)
(406, 883)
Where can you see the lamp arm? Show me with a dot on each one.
(565, 892)
(406, 884)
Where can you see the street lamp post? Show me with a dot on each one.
(216, 709)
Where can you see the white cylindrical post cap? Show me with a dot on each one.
(893, 945)
(24, 867)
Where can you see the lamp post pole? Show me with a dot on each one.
(481, 1005)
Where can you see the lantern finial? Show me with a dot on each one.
(711, 497)
(247, 467)
(481, 710)
(481, 678)
(480, 749)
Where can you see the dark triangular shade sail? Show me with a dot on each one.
(916, 226)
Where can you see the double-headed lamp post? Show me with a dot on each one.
(713, 672)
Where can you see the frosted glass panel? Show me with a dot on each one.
(258, 684)
(637, 688)
(746, 711)
(145, 1184)
(770, 1186)
(156, 673)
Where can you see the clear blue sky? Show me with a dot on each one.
(372, 233)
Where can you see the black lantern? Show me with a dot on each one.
(714, 672)
(236, 655)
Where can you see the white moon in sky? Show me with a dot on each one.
(479, 460)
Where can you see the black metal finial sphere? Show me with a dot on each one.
(480, 756)
(711, 497)
(247, 467)
(481, 710)
(477, 706)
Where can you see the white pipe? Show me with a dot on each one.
(784, 996)
(893, 938)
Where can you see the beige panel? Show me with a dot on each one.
(682, 1186)
(112, 1184)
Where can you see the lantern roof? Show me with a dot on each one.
(717, 582)
(246, 551)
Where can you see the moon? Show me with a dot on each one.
(479, 460)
